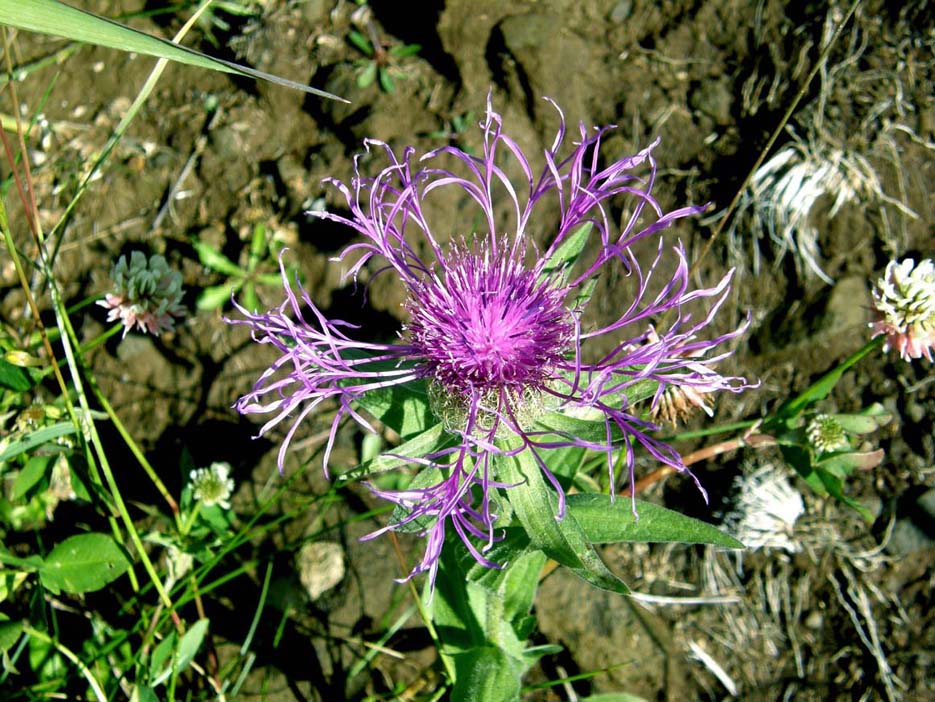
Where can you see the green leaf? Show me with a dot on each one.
(36, 468)
(269, 279)
(564, 257)
(52, 17)
(184, 654)
(835, 488)
(427, 477)
(215, 260)
(592, 426)
(518, 586)
(9, 634)
(565, 463)
(487, 674)
(536, 505)
(606, 523)
(429, 441)
(37, 438)
(215, 296)
(250, 300)
(368, 75)
(820, 388)
(15, 378)
(405, 50)
(361, 42)
(386, 81)
(843, 464)
(143, 693)
(83, 563)
(403, 408)
(162, 654)
(867, 421)
(458, 605)
(257, 244)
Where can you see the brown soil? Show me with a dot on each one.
(712, 79)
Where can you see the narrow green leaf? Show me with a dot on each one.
(52, 17)
(257, 243)
(83, 563)
(183, 654)
(162, 654)
(835, 487)
(536, 505)
(211, 258)
(606, 523)
(386, 81)
(361, 42)
(433, 439)
(143, 693)
(405, 50)
(368, 75)
(190, 643)
(820, 388)
(37, 438)
(564, 257)
(455, 613)
(269, 279)
(216, 296)
(36, 468)
(250, 300)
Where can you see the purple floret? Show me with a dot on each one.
(495, 327)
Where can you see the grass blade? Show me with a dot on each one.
(53, 17)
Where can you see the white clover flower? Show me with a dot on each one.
(826, 434)
(212, 485)
(147, 293)
(904, 301)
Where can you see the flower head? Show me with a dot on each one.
(826, 434)
(904, 302)
(495, 329)
(146, 293)
(213, 485)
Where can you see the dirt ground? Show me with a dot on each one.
(846, 614)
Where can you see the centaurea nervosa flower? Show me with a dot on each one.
(495, 327)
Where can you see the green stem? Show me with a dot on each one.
(134, 448)
(76, 364)
(712, 431)
(186, 526)
(821, 387)
(97, 341)
(85, 671)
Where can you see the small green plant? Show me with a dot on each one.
(454, 129)
(380, 63)
(263, 250)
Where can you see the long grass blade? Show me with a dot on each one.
(53, 17)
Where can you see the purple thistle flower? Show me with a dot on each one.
(495, 329)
